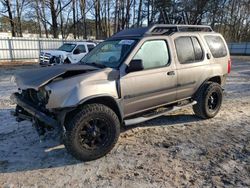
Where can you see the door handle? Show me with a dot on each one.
(170, 73)
(208, 56)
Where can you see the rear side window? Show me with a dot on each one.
(90, 47)
(216, 46)
(188, 50)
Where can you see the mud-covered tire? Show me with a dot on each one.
(92, 120)
(204, 108)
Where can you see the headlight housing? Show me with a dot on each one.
(42, 95)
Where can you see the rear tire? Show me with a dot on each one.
(209, 99)
(92, 132)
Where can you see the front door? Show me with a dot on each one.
(81, 52)
(153, 86)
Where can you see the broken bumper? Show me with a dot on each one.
(31, 112)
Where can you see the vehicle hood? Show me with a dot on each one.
(35, 78)
(55, 52)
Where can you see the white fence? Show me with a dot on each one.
(12, 49)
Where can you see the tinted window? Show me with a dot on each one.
(216, 46)
(153, 54)
(188, 50)
(198, 53)
(81, 48)
(90, 47)
(185, 50)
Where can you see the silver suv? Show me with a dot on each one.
(134, 76)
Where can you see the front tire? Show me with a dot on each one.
(92, 132)
(67, 61)
(209, 99)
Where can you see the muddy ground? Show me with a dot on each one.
(178, 150)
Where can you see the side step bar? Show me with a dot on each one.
(146, 118)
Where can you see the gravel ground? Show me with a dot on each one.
(178, 150)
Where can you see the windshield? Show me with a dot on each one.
(109, 53)
(67, 47)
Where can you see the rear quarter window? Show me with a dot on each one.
(216, 46)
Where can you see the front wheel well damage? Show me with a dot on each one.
(105, 100)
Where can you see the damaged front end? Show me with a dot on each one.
(47, 95)
(31, 106)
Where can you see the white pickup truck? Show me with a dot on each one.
(69, 53)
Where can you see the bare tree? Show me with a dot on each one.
(139, 13)
(7, 5)
(83, 15)
(38, 17)
(43, 16)
(20, 4)
(101, 18)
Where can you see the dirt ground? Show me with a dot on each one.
(178, 150)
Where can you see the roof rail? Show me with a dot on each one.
(161, 29)
(167, 29)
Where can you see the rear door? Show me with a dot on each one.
(192, 64)
(153, 86)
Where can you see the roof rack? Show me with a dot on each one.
(161, 29)
(167, 29)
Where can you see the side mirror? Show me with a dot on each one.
(135, 65)
(76, 51)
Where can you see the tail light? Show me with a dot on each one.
(229, 64)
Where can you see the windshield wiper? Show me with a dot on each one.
(96, 65)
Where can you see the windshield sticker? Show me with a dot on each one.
(126, 42)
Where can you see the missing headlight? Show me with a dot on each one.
(39, 97)
(42, 96)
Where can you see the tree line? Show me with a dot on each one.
(102, 18)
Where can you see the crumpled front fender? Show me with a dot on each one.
(70, 92)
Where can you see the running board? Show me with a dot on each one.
(142, 119)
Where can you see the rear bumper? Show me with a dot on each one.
(31, 110)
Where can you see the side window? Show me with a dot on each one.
(153, 54)
(216, 46)
(188, 50)
(185, 50)
(90, 47)
(198, 52)
(81, 48)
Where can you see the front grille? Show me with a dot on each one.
(45, 57)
